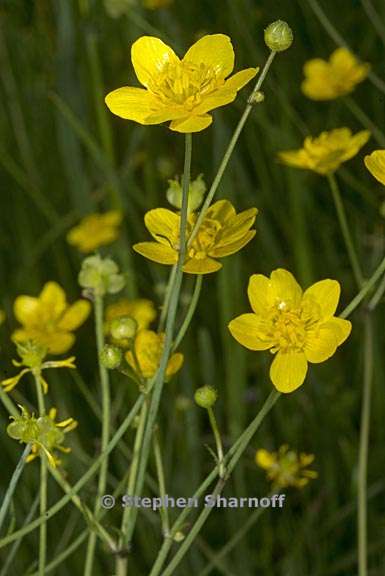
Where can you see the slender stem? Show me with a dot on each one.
(13, 483)
(357, 111)
(190, 312)
(164, 310)
(230, 460)
(374, 18)
(361, 295)
(158, 380)
(230, 148)
(162, 484)
(363, 450)
(376, 298)
(354, 262)
(218, 441)
(106, 415)
(43, 483)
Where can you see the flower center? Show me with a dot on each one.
(290, 324)
(184, 83)
(205, 239)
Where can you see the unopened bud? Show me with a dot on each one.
(100, 276)
(206, 396)
(278, 36)
(123, 328)
(110, 357)
(196, 192)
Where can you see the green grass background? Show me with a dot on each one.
(63, 155)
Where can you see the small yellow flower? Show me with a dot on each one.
(180, 91)
(44, 433)
(297, 327)
(222, 232)
(326, 80)
(49, 319)
(155, 4)
(327, 152)
(148, 350)
(375, 163)
(95, 230)
(286, 468)
(141, 310)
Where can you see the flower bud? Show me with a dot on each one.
(100, 276)
(110, 357)
(278, 36)
(123, 328)
(196, 192)
(206, 396)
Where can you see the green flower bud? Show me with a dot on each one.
(110, 357)
(123, 328)
(32, 353)
(24, 427)
(278, 36)
(196, 192)
(100, 276)
(206, 396)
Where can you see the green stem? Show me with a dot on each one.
(13, 483)
(162, 484)
(158, 380)
(230, 148)
(366, 288)
(230, 461)
(354, 262)
(363, 450)
(190, 312)
(43, 483)
(365, 120)
(106, 415)
(166, 301)
(218, 441)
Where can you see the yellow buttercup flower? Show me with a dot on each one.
(326, 80)
(298, 327)
(141, 310)
(286, 468)
(44, 434)
(49, 319)
(180, 91)
(148, 348)
(327, 152)
(222, 232)
(95, 230)
(375, 163)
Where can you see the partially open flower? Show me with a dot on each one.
(95, 230)
(43, 433)
(196, 192)
(286, 468)
(338, 76)
(100, 276)
(180, 91)
(146, 355)
(222, 232)
(327, 152)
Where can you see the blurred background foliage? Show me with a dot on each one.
(63, 155)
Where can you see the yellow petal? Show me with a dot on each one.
(240, 79)
(174, 365)
(75, 315)
(112, 218)
(327, 294)
(259, 293)
(58, 342)
(163, 225)
(265, 459)
(214, 51)
(296, 158)
(288, 371)
(221, 210)
(201, 266)
(232, 247)
(53, 299)
(237, 227)
(251, 331)
(149, 55)
(191, 124)
(134, 104)
(216, 99)
(25, 309)
(157, 252)
(322, 343)
(285, 287)
(375, 163)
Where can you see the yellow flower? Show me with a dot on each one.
(95, 230)
(155, 4)
(148, 350)
(180, 91)
(286, 467)
(327, 152)
(326, 80)
(222, 232)
(49, 319)
(44, 433)
(297, 327)
(141, 310)
(375, 163)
